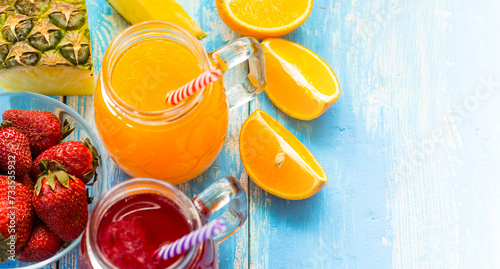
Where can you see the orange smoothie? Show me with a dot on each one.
(146, 72)
(137, 134)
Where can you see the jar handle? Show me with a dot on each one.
(242, 50)
(226, 191)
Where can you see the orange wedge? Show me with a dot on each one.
(277, 161)
(299, 82)
(264, 18)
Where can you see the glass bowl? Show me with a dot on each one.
(32, 101)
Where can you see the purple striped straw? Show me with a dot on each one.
(208, 231)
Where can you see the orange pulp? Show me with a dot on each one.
(277, 161)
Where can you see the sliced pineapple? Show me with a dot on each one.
(45, 47)
(135, 11)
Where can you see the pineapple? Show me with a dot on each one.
(45, 47)
(136, 11)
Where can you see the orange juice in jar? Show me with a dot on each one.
(144, 135)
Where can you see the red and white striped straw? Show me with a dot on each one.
(208, 231)
(205, 78)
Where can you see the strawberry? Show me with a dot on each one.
(16, 216)
(42, 128)
(78, 158)
(26, 181)
(43, 244)
(15, 154)
(60, 201)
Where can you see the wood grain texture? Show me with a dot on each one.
(411, 148)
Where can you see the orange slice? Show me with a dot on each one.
(264, 18)
(299, 82)
(277, 161)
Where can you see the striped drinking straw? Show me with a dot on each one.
(205, 78)
(208, 231)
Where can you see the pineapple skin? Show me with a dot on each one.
(45, 47)
(136, 11)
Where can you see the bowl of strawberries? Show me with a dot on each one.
(51, 175)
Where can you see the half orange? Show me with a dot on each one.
(299, 82)
(264, 18)
(277, 161)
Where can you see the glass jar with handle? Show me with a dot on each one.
(138, 216)
(145, 136)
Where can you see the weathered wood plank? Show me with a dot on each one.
(312, 233)
(402, 142)
(104, 24)
(233, 253)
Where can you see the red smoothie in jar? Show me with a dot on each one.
(135, 218)
(133, 228)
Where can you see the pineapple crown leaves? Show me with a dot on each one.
(50, 174)
(4, 246)
(95, 162)
(66, 129)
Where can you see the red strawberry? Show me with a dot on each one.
(61, 201)
(16, 217)
(78, 158)
(15, 155)
(42, 128)
(43, 244)
(26, 181)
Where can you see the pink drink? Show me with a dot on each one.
(134, 227)
(138, 216)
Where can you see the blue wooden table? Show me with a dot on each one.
(411, 148)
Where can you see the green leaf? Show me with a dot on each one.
(44, 165)
(58, 166)
(38, 186)
(63, 178)
(7, 123)
(91, 183)
(88, 144)
(4, 255)
(51, 179)
(66, 244)
(90, 199)
(4, 245)
(95, 162)
(90, 174)
(67, 130)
